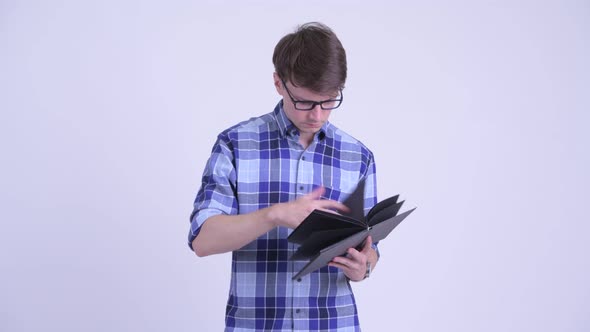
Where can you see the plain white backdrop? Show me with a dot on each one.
(477, 112)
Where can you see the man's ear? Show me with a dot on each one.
(278, 83)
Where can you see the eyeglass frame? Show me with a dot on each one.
(313, 103)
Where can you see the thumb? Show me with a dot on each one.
(317, 193)
(368, 243)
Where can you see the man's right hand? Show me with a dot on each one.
(291, 214)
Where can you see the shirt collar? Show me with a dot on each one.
(287, 128)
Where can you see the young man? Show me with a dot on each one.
(266, 175)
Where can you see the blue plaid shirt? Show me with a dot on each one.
(258, 163)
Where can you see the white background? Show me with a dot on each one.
(477, 112)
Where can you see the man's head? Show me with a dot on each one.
(312, 57)
(310, 71)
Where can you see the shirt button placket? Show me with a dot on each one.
(300, 180)
(299, 312)
(300, 315)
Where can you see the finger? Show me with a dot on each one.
(352, 269)
(357, 256)
(339, 265)
(342, 260)
(317, 193)
(345, 264)
(331, 211)
(368, 244)
(330, 204)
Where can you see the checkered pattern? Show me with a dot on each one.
(258, 163)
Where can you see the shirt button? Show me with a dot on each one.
(300, 187)
(303, 158)
(298, 310)
(298, 279)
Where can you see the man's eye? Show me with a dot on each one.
(305, 103)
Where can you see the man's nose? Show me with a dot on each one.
(316, 112)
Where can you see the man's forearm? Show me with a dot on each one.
(225, 233)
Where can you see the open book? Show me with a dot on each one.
(325, 235)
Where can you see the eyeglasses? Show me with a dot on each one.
(308, 105)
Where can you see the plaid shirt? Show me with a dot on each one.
(258, 163)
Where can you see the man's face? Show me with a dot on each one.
(308, 122)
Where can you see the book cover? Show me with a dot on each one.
(324, 235)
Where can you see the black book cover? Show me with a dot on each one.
(325, 235)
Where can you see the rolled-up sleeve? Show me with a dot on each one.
(370, 184)
(217, 194)
(371, 191)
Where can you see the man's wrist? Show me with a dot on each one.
(271, 215)
(368, 270)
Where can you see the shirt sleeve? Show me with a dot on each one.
(217, 194)
(371, 191)
(370, 184)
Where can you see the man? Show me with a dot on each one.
(266, 175)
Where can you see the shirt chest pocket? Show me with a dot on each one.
(338, 193)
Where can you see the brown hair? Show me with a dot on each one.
(311, 57)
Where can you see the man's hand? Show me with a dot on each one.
(354, 265)
(291, 214)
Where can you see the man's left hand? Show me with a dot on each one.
(354, 265)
